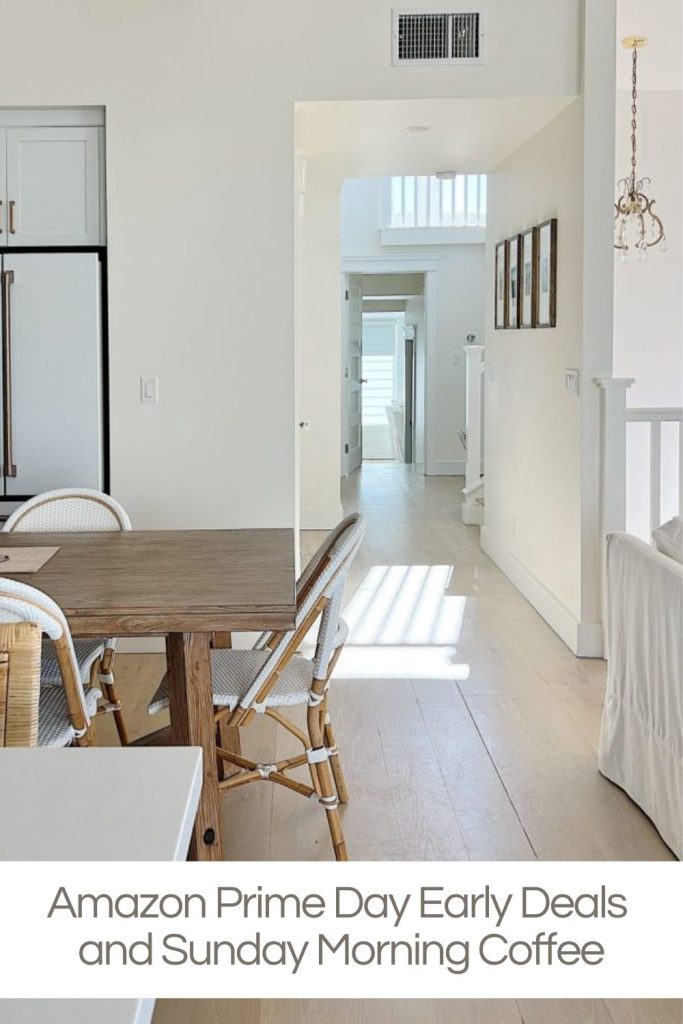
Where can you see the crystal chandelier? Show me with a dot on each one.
(636, 225)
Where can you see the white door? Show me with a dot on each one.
(352, 373)
(53, 186)
(52, 394)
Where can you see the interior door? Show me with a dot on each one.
(53, 381)
(409, 392)
(53, 186)
(352, 374)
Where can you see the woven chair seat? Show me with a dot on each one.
(88, 650)
(54, 725)
(234, 671)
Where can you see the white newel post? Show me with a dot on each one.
(612, 466)
(472, 510)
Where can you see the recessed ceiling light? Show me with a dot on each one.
(418, 128)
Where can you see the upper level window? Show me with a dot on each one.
(425, 201)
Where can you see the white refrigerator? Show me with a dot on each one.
(51, 388)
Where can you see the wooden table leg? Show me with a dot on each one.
(191, 706)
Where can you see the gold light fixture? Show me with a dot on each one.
(636, 226)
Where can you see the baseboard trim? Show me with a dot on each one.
(584, 639)
(320, 518)
(449, 467)
(472, 513)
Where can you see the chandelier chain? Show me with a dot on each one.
(634, 111)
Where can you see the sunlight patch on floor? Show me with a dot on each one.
(405, 604)
(400, 662)
(404, 625)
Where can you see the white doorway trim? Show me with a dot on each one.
(401, 264)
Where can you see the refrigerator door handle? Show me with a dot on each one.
(8, 454)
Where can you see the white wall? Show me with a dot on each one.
(320, 288)
(200, 112)
(543, 444)
(648, 298)
(460, 288)
(533, 456)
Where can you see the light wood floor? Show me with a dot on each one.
(424, 1011)
(468, 729)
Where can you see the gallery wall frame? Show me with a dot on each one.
(512, 250)
(528, 285)
(546, 274)
(500, 308)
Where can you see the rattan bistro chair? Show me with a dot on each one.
(64, 511)
(65, 712)
(273, 676)
(19, 684)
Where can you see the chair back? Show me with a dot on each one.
(19, 684)
(320, 592)
(20, 603)
(67, 510)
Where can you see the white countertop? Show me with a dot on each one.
(136, 803)
(95, 804)
(76, 1011)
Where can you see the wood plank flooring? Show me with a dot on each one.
(423, 1011)
(468, 729)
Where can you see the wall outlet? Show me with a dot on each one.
(456, 359)
(572, 382)
(149, 389)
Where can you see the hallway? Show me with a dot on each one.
(467, 728)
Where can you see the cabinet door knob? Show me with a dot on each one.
(0, 216)
(12, 207)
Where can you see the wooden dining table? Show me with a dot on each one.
(185, 585)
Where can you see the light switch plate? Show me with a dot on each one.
(149, 389)
(572, 381)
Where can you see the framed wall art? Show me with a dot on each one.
(546, 271)
(513, 263)
(528, 279)
(501, 286)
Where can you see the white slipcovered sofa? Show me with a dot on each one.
(641, 742)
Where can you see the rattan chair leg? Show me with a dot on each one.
(106, 678)
(227, 737)
(333, 816)
(325, 787)
(335, 764)
(111, 694)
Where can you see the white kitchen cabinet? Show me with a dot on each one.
(51, 186)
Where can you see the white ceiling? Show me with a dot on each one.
(366, 139)
(660, 63)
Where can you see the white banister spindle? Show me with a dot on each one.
(655, 473)
(472, 510)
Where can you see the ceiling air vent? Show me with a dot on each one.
(437, 36)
